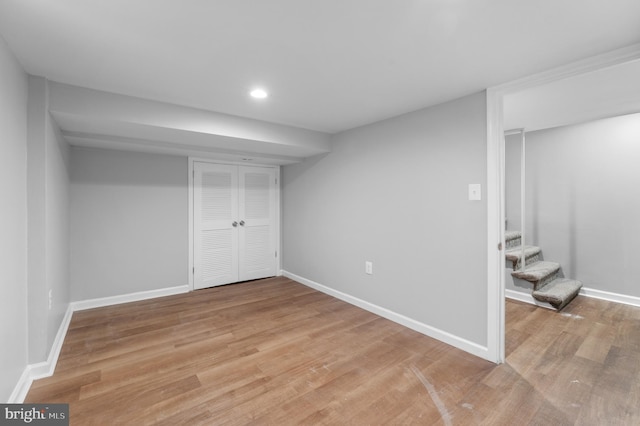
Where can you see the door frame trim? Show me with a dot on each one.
(192, 160)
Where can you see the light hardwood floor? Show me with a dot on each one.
(277, 352)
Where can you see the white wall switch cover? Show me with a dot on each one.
(475, 192)
(368, 267)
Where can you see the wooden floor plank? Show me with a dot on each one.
(276, 352)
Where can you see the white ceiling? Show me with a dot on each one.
(330, 65)
(603, 93)
(99, 119)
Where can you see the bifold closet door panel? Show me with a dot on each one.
(257, 233)
(216, 244)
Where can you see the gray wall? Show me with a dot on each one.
(48, 222)
(13, 221)
(583, 204)
(58, 265)
(512, 153)
(129, 222)
(395, 193)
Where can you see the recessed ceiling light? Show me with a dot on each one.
(259, 93)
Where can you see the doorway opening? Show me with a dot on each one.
(496, 177)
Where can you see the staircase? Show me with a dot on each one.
(548, 286)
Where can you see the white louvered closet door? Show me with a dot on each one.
(258, 222)
(234, 223)
(215, 205)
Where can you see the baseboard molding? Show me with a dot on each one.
(126, 298)
(526, 298)
(42, 369)
(443, 336)
(22, 387)
(584, 291)
(46, 368)
(611, 297)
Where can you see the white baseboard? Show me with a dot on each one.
(611, 297)
(584, 291)
(42, 369)
(526, 298)
(46, 368)
(126, 298)
(22, 387)
(425, 329)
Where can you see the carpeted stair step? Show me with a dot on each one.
(539, 273)
(513, 255)
(558, 292)
(512, 239)
(548, 286)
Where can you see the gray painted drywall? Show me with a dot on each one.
(512, 176)
(58, 267)
(13, 221)
(129, 222)
(100, 119)
(396, 193)
(48, 219)
(513, 144)
(583, 204)
(36, 201)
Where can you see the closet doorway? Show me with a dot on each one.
(235, 216)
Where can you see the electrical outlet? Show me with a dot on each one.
(50, 298)
(368, 267)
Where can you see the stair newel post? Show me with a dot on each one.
(522, 198)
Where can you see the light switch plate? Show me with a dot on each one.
(475, 192)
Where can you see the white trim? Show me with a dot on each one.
(22, 387)
(190, 271)
(523, 199)
(495, 176)
(495, 228)
(526, 298)
(233, 163)
(595, 63)
(519, 296)
(126, 298)
(278, 219)
(443, 336)
(611, 297)
(42, 369)
(584, 291)
(46, 369)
